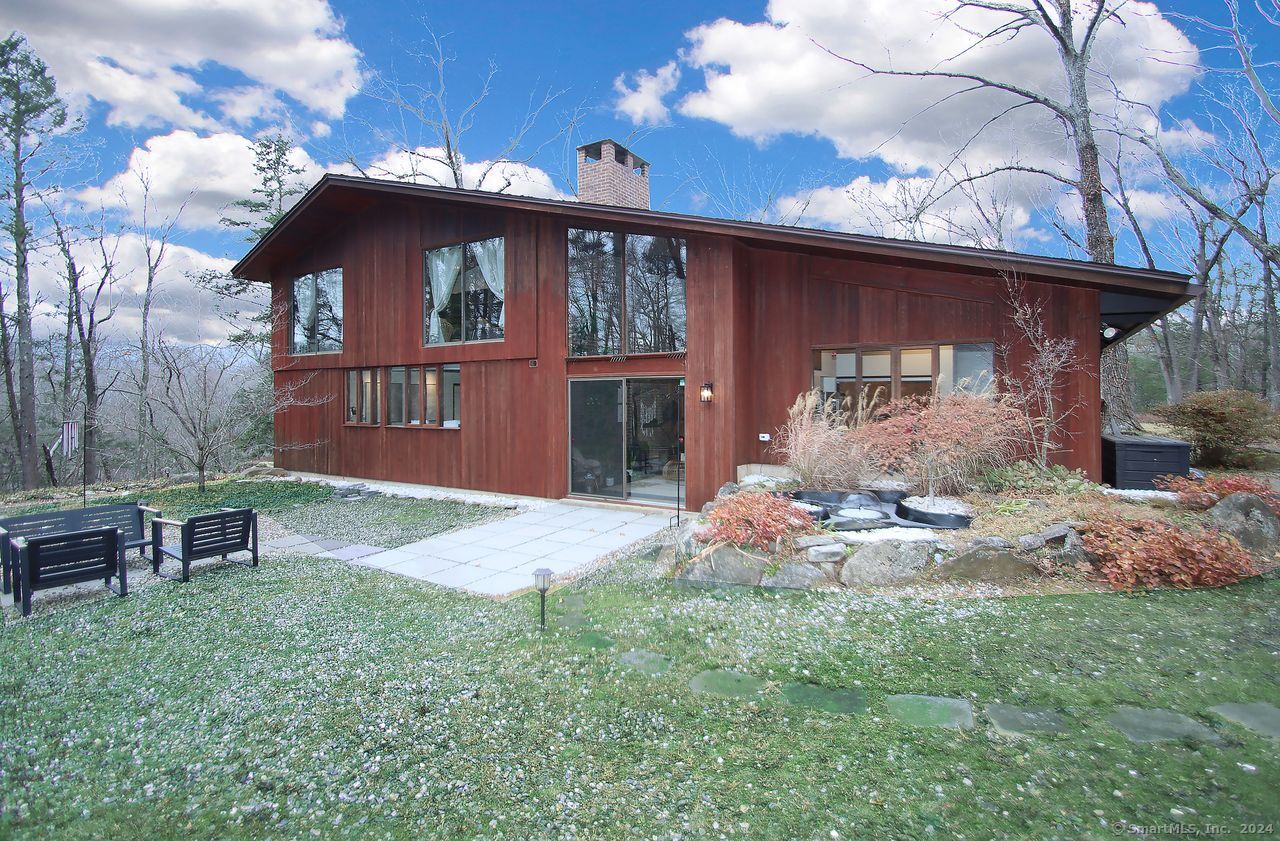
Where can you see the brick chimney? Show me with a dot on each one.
(610, 174)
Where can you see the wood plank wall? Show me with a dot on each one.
(754, 318)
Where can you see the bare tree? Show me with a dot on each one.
(1037, 387)
(201, 414)
(30, 113)
(156, 234)
(1074, 38)
(87, 311)
(429, 134)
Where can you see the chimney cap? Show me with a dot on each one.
(594, 150)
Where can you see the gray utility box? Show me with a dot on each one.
(1133, 462)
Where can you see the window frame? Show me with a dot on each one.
(426, 280)
(291, 349)
(624, 331)
(432, 372)
(895, 360)
(357, 375)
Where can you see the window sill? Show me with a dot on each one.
(434, 426)
(622, 357)
(315, 353)
(464, 343)
(363, 425)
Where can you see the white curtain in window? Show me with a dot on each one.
(490, 257)
(445, 265)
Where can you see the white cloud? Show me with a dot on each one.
(643, 102)
(772, 78)
(424, 165)
(205, 172)
(148, 60)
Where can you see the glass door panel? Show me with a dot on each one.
(655, 428)
(597, 461)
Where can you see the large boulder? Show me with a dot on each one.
(830, 553)
(796, 577)
(726, 564)
(687, 540)
(1250, 520)
(986, 563)
(886, 562)
(808, 541)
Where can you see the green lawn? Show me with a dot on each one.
(312, 697)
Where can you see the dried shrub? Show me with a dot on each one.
(816, 444)
(1155, 553)
(944, 444)
(1199, 494)
(1220, 425)
(755, 519)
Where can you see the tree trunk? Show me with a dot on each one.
(1168, 364)
(25, 421)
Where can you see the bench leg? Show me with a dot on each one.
(7, 583)
(186, 570)
(26, 588)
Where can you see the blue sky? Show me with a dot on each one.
(734, 104)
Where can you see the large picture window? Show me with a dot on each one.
(316, 313)
(879, 374)
(464, 292)
(626, 293)
(424, 396)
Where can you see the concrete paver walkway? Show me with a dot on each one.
(498, 558)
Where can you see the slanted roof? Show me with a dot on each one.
(1131, 297)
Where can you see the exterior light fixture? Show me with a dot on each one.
(706, 393)
(542, 583)
(1109, 332)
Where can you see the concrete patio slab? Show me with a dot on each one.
(931, 711)
(1142, 725)
(498, 558)
(355, 551)
(1259, 716)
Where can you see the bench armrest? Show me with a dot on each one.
(149, 509)
(167, 522)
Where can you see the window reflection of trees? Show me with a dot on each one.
(625, 279)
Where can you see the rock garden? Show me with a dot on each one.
(939, 496)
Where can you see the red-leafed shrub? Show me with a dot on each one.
(1155, 553)
(944, 444)
(1200, 494)
(755, 519)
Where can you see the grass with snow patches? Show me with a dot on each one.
(313, 698)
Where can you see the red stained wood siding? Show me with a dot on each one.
(755, 315)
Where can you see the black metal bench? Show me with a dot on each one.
(127, 517)
(56, 560)
(207, 536)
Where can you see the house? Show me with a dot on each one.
(598, 348)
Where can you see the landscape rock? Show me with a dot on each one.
(686, 539)
(986, 563)
(1056, 532)
(1030, 542)
(886, 562)
(796, 577)
(263, 469)
(808, 541)
(991, 542)
(727, 489)
(827, 553)
(726, 564)
(760, 482)
(1250, 520)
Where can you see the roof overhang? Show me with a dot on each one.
(1131, 297)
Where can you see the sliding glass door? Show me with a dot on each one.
(626, 438)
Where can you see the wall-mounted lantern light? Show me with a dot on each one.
(706, 393)
(542, 583)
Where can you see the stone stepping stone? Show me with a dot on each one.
(726, 682)
(1260, 717)
(644, 661)
(595, 640)
(843, 701)
(931, 711)
(1141, 725)
(1025, 721)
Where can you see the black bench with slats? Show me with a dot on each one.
(56, 560)
(219, 534)
(128, 518)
